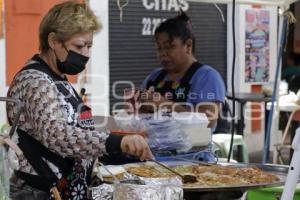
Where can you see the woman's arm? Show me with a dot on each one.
(45, 118)
(52, 121)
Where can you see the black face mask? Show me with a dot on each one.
(74, 63)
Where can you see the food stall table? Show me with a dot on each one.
(228, 192)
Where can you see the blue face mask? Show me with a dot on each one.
(74, 63)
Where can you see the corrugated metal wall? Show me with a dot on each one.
(132, 51)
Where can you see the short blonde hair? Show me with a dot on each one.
(66, 20)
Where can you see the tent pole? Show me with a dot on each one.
(284, 28)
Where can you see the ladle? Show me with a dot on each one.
(186, 178)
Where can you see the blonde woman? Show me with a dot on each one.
(56, 130)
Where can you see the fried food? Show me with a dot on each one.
(148, 171)
(215, 175)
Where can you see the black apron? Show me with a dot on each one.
(73, 173)
(181, 92)
(178, 92)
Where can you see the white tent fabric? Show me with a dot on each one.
(280, 3)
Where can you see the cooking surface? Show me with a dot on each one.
(208, 172)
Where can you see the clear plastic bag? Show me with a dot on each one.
(4, 174)
(194, 125)
(8, 163)
(128, 122)
(162, 130)
(9, 150)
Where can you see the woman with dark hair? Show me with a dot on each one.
(182, 84)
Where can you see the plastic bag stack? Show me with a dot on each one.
(165, 134)
(162, 130)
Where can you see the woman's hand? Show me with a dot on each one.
(136, 145)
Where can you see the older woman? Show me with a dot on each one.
(56, 132)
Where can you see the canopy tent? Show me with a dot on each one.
(264, 2)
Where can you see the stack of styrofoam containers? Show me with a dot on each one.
(194, 125)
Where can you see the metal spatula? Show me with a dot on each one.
(186, 178)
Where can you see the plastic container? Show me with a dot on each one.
(194, 125)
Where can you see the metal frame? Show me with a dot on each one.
(262, 2)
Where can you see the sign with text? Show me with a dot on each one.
(132, 47)
(149, 24)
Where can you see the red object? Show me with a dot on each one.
(120, 132)
(1, 18)
(86, 115)
(256, 6)
(297, 116)
(22, 19)
(256, 111)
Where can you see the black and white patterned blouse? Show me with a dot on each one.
(50, 119)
